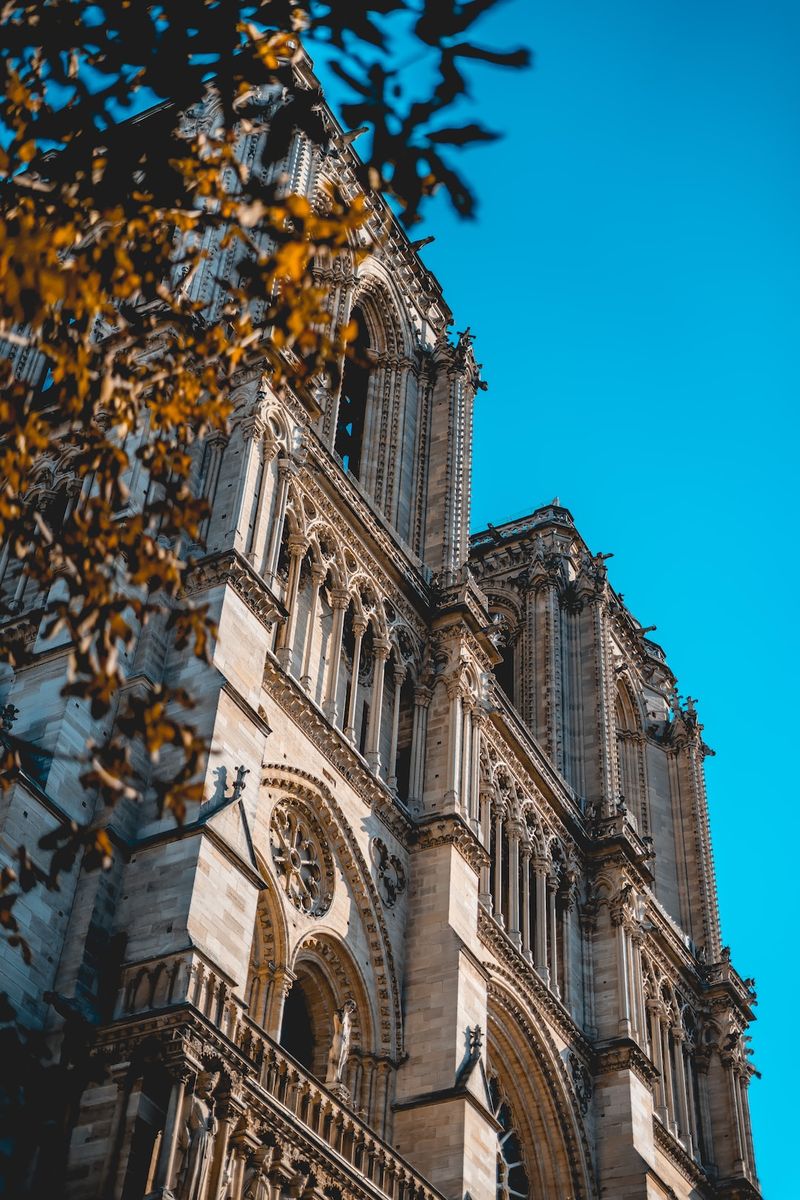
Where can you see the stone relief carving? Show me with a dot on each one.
(196, 1139)
(582, 1081)
(302, 865)
(340, 1045)
(389, 869)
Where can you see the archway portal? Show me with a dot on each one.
(307, 1024)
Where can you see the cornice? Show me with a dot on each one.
(623, 1054)
(675, 1152)
(231, 568)
(430, 832)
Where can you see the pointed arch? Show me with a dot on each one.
(269, 952)
(293, 782)
(546, 1107)
(629, 728)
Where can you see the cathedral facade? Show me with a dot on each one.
(445, 923)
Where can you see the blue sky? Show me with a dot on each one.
(633, 280)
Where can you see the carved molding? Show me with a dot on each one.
(231, 568)
(450, 831)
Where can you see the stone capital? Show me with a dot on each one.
(297, 545)
(382, 648)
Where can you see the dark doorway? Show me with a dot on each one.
(297, 1035)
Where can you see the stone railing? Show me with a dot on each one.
(182, 978)
(275, 1081)
(329, 1119)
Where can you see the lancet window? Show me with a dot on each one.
(353, 399)
(630, 756)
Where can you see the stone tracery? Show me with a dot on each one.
(301, 860)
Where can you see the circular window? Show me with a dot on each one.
(302, 860)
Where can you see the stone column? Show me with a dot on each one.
(19, 593)
(485, 895)
(169, 1141)
(735, 1123)
(541, 869)
(381, 650)
(263, 504)
(587, 918)
(694, 1116)
(526, 900)
(454, 725)
(226, 1118)
(270, 563)
(702, 1060)
(252, 432)
(515, 830)
(317, 579)
(416, 785)
(297, 546)
(340, 602)
(465, 769)
(568, 905)
(656, 1051)
(637, 989)
(623, 983)
(680, 1086)
(398, 678)
(475, 772)
(552, 888)
(215, 450)
(359, 629)
(283, 979)
(499, 818)
(748, 1129)
(669, 1082)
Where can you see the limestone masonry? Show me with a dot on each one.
(445, 924)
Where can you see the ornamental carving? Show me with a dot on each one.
(582, 1081)
(301, 859)
(389, 869)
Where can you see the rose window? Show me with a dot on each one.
(302, 860)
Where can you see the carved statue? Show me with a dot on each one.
(256, 1181)
(340, 1046)
(196, 1138)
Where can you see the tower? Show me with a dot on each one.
(444, 922)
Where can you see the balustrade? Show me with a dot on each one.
(275, 1078)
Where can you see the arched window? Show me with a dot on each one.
(511, 1177)
(504, 638)
(307, 1024)
(297, 1034)
(349, 441)
(629, 755)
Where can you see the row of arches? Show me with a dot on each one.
(530, 885)
(347, 645)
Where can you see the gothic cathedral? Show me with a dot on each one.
(445, 923)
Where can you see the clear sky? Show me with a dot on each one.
(633, 281)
